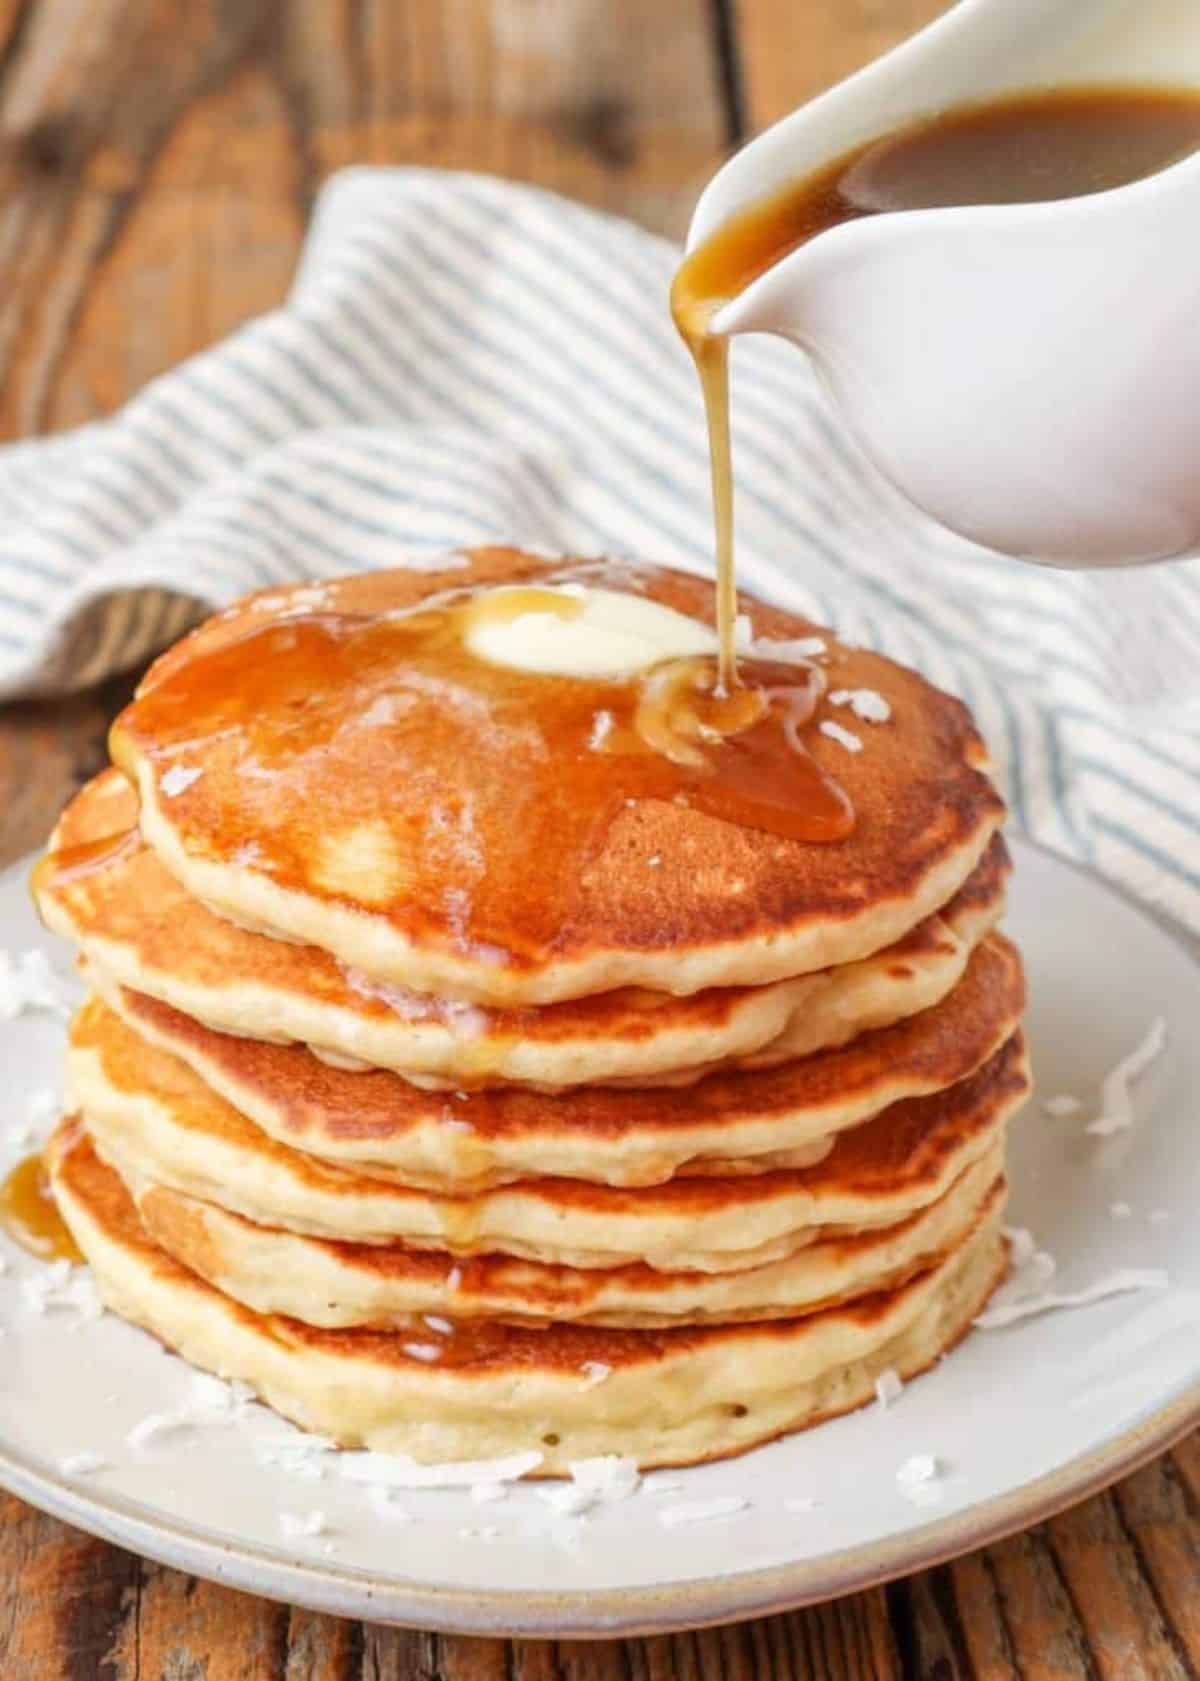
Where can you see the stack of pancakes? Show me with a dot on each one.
(456, 1131)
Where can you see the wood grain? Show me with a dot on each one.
(156, 168)
(792, 49)
(157, 162)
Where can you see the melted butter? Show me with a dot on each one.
(580, 633)
(29, 1213)
(480, 795)
(1048, 144)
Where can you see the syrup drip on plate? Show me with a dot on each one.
(29, 1213)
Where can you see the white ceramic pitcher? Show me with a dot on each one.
(1027, 374)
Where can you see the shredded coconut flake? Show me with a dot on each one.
(918, 1479)
(888, 1388)
(178, 779)
(298, 1525)
(399, 1471)
(799, 650)
(1062, 1105)
(1113, 1284)
(844, 738)
(1120, 1210)
(437, 1323)
(867, 704)
(702, 1511)
(484, 1494)
(83, 1464)
(384, 1501)
(154, 1425)
(28, 983)
(1116, 1100)
(61, 1286)
(602, 725)
(594, 1372)
(427, 1351)
(297, 1454)
(1159, 1216)
(454, 1278)
(209, 1400)
(599, 1481)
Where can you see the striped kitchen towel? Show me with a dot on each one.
(462, 360)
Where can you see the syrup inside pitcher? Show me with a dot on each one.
(1034, 147)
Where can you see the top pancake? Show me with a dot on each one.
(302, 772)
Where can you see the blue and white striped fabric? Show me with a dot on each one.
(463, 360)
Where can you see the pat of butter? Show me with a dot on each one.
(576, 632)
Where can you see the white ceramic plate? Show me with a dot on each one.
(1023, 1420)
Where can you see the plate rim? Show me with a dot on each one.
(628, 1612)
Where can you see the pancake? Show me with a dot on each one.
(309, 767)
(156, 1121)
(667, 1398)
(392, 1287)
(726, 1123)
(138, 926)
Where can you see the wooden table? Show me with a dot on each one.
(158, 158)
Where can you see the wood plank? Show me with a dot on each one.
(46, 752)
(156, 176)
(788, 51)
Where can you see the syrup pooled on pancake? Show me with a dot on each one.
(516, 846)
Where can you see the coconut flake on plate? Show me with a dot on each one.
(702, 1511)
(155, 1425)
(1062, 1105)
(83, 1464)
(918, 1468)
(1116, 1283)
(397, 1470)
(62, 1286)
(606, 1478)
(1116, 1099)
(919, 1479)
(594, 1372)
(28, 983)
(298, 1453)
(301, 1525)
